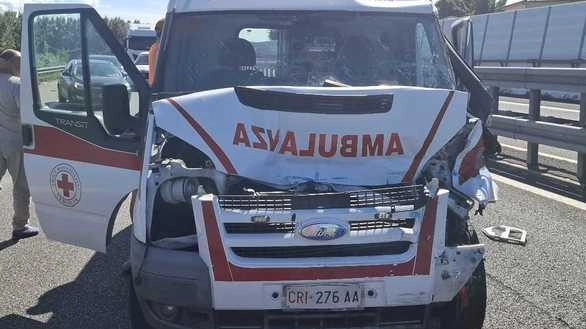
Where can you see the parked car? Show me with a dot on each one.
(142, 63)
(70, 85)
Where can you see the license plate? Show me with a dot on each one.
(339, 296)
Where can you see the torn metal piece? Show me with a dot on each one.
(453, 268)
(505, 233)
(433, 187)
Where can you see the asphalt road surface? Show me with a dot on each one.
(542, 285)
(548, 109)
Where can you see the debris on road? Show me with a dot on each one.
(507, 234)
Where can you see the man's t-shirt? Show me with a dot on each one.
(9, 109)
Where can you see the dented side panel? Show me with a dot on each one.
(470, 175)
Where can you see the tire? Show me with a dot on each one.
(137, 320)
(468, 309)
(475, 313)
(62, 98)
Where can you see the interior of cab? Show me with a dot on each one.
(217, 50)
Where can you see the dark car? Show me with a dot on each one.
(70, 85)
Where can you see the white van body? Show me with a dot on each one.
(271, 202)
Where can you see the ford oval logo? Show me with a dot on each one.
(323, 231)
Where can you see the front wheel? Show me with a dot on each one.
(137, 320)
(62, 98)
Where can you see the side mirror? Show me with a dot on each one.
(462, 34)
(116, 109)
(66, 74)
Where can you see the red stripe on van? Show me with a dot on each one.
(230, 169)
(428, 140)
(54, 143)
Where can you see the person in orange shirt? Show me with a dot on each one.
(154, 51)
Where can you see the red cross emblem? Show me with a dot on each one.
(65, 185)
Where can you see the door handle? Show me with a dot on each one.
(27, 135)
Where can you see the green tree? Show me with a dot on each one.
(10, 26)
(56, 39)
(459, 8)
(52, 32)
(499, 5)
(481, 7)
(454, 8)
(119, 27)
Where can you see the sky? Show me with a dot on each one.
(148, 11)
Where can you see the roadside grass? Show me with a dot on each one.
(46, 77)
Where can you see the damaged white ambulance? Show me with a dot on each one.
(297, 164)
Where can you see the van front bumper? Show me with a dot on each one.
(163, 277)
(181, 279)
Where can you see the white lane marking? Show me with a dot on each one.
(545, 155)
(537, 191)
(551, 108)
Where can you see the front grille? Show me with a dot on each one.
(387, 197)
(281, 228)
(259, 228)
(381, 224)
(305, 103)
(273, 202)
(349, 250)
(411, 317)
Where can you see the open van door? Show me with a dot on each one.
(83, 108)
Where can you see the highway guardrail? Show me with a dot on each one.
(49, 70)
(533, 129)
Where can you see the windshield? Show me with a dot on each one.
(208, 51)
(111, 59)
(104, 69)
(142, 59)
(140, 43)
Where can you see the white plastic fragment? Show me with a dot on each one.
(507, 234)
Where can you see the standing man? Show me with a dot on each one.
(11, 154)
(154, 51)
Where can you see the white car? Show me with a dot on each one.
(300, 164)
(142, 63)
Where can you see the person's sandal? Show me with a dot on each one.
(27, 232)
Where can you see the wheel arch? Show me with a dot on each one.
(114, 215)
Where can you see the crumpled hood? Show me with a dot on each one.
(285, 135)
